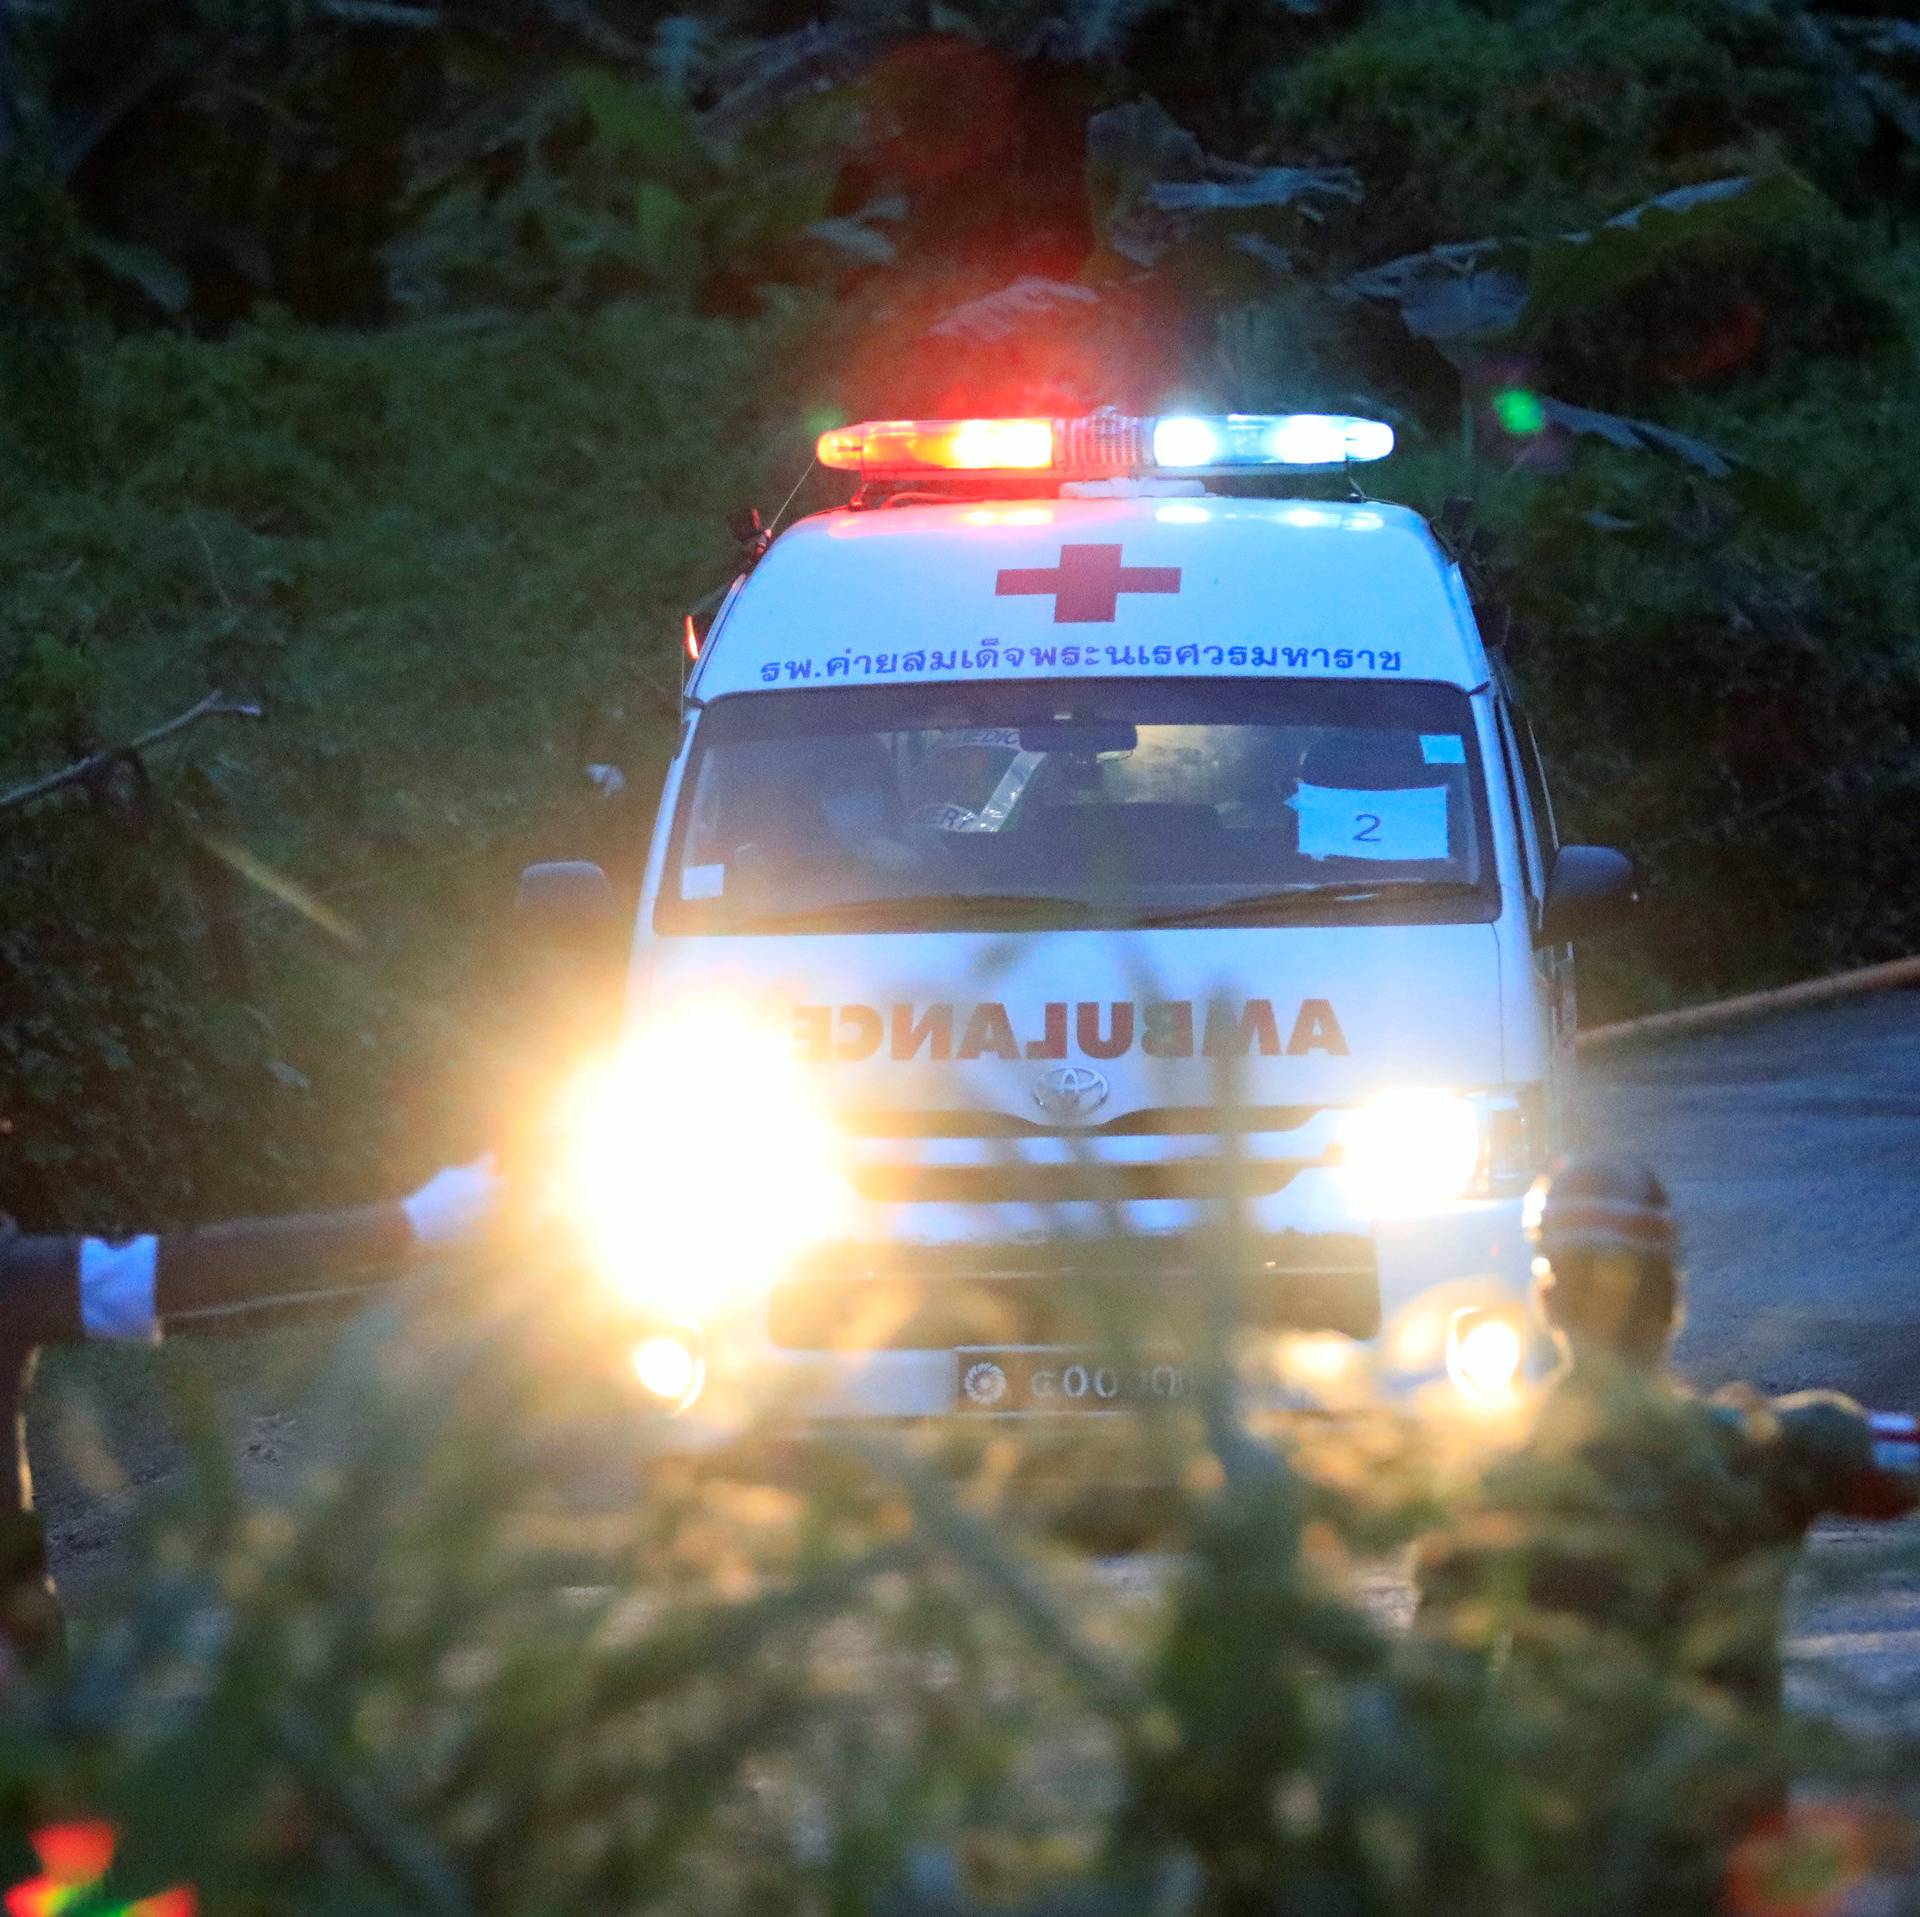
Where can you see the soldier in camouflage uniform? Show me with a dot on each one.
(1616, 1591)
(1636, 1514)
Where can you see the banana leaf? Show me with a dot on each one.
(1766, 493)
(1154, 188)
(999, 316)
(1511, 289)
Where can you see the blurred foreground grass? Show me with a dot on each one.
(489, 1649)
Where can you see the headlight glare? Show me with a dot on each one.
(669, 1368)
(701, 1161)
(1408, 1152)
(1485, 1352)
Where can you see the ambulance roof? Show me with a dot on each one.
(1134, 585)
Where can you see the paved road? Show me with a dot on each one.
(1792, 1147)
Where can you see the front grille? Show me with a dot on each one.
(1310, 1282)
(1086, 1181)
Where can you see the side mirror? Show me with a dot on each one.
(566, 904)
(562, 983)
(1589, 889)
(569, 927)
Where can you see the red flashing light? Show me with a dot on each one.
(692, 641)
(946, 445)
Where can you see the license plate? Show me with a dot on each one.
(999, 1380)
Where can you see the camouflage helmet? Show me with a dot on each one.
(1597, 1204)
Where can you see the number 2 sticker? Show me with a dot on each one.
(1403, 825)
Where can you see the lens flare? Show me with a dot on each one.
(1806, 1861)
(1520, 412)
(74, 1861)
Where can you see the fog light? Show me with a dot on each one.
(669, 1368)
(1484, 1355)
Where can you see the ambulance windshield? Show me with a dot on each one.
(1104, 802)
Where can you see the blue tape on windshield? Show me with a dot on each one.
(1443, 748)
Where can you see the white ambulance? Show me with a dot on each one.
(1060, 850)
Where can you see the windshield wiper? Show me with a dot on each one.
(913, 910)
(1302, 901)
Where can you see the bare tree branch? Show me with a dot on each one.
(216, 705)
(605, 39)
(380, 13)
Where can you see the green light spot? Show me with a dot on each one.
(1520, 412)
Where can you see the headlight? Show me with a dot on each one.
(700, 1162)
(1484, 1354)
(669, 1367)
(1409, 1152)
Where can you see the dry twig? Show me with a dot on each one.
(216, 705)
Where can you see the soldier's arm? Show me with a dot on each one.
(57, 1290)
(1848, 1461)
(39, 1290)
(62, 1290)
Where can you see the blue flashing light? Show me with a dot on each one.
(1240, 442)
(1182, 444)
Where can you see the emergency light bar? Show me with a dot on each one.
(1105, 445)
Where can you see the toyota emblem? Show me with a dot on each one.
(985, 1383)
(1071, 1091)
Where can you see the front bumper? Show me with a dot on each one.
(875, 1331)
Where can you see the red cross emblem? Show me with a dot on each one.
(1086, 585)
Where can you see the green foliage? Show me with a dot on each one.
(1526, 117)
(602, 186)
(43, 400)
(431, 553)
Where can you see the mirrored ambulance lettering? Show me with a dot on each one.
(1160, 1028)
